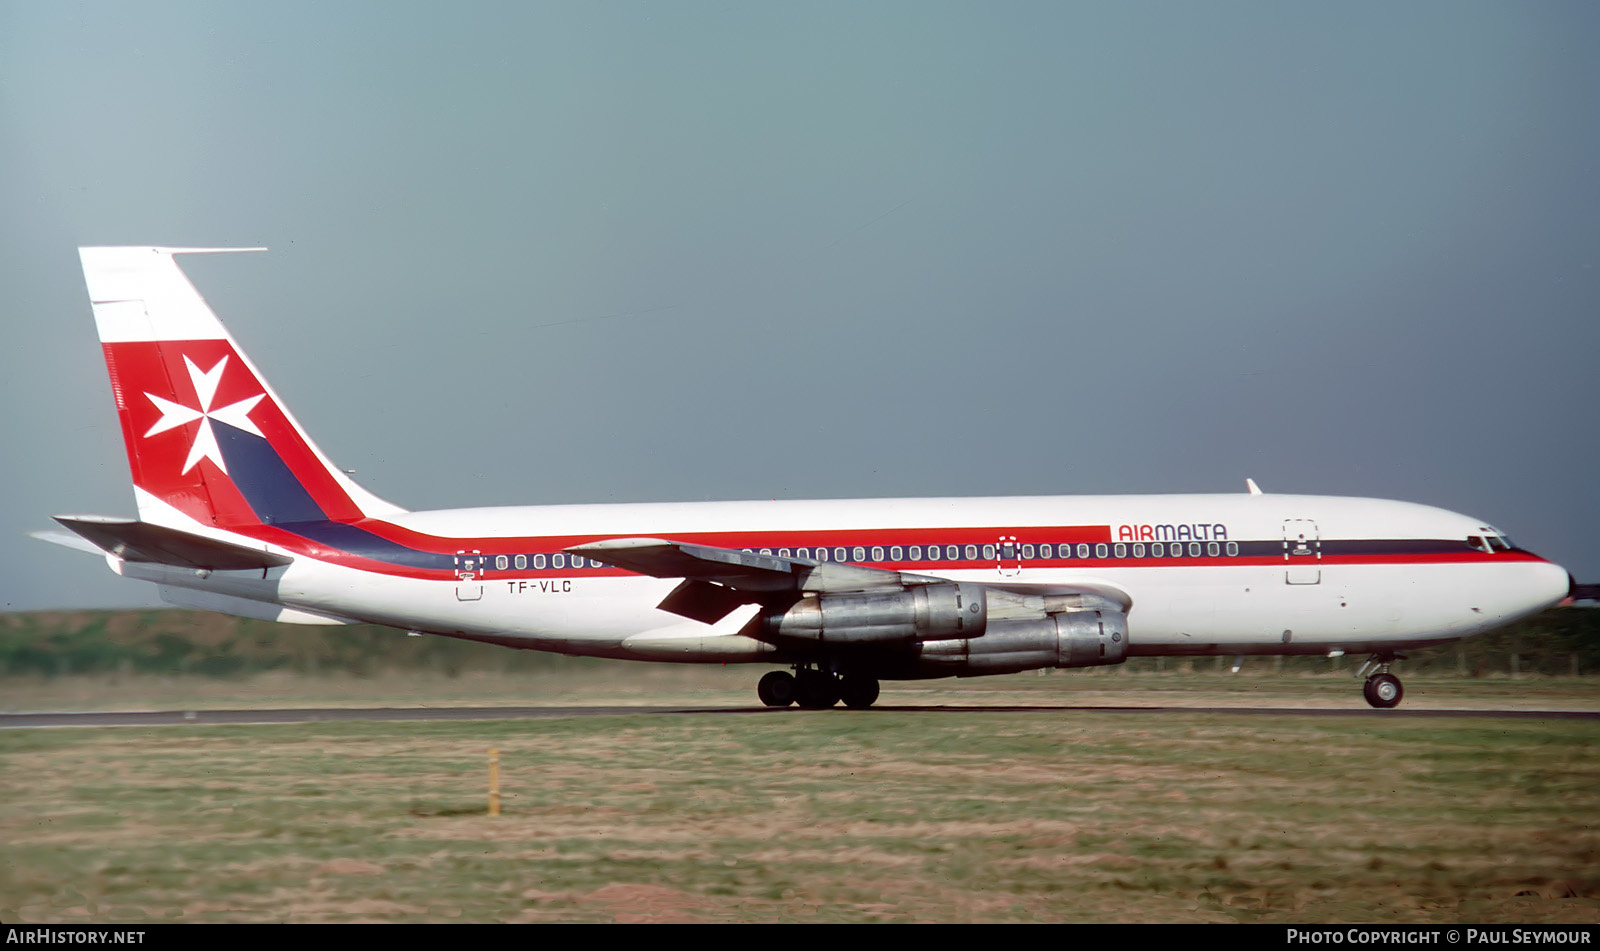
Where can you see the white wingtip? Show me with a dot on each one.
(1251, 485)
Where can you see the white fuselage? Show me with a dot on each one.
(1252, 574)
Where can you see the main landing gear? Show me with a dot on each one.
(815, 689)
(1382, 689)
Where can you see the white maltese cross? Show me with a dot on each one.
(205, 445)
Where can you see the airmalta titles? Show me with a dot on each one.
(1196, 532)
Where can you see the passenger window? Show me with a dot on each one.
(1213, 549)
(1194, 549)
(894, 553)
(1101, 550)
(1138, 551)
(783, 553)
(558, 560)
(1027, 551)
(972, 552)
(1083, 550)
(766, 551)
(1233, 549)
(988, 553)
(839, 554)
(916, 552)
(861, 554)
(1045, 551)
(521, 562)
(1121, 550)
(538, 561)
(502, 562)
(877, 553)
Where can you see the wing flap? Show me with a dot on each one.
(703, 601)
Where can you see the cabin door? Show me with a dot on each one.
(1302, 552)
(469, 575)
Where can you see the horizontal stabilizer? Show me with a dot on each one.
(242, 607)
(133, 540)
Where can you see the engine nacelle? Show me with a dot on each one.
(932, 612)
(1072, 639)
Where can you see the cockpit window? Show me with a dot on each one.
(1490, 543)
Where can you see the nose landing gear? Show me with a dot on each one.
(1383, 689)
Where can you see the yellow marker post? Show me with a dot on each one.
(494, 781)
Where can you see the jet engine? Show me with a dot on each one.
(931, 612)
(1092, 638)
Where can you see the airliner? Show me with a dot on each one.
(240, 513)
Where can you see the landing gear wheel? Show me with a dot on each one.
(776, 689)
(1383, 691)
(815, 690)
(858, 693)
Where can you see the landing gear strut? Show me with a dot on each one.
(1383, 689)
(815, 689)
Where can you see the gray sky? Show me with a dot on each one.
(562, 252)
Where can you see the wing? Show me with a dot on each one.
(719, 580)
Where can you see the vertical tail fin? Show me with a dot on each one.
(207, 438)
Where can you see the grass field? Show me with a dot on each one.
(1055, 815)
(597, 682)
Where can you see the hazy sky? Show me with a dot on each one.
(563, 252)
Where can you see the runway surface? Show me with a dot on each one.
(329, 714)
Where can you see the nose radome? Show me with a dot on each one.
(1552, 584)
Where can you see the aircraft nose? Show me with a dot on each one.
(1552, 584)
